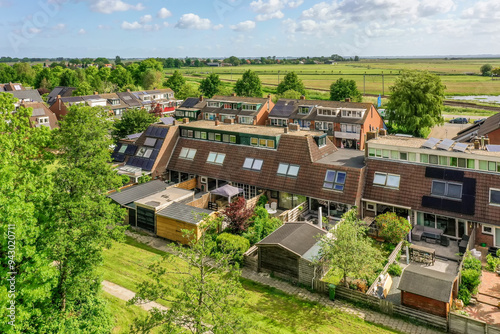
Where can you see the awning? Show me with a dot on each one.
(227, 191)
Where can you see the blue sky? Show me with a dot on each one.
(221, 28)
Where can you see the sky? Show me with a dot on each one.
(253, 28)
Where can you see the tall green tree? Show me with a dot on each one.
(486, 70)
(152, 79)
(210, 85)
(349, 249)
(205, 291)
(69, 78)
(249, 85)
(343, 89)
(121, 77)
(83, 88)
(132, 121)
(7, 73)
(175, 82)
(150, 63)
(47, 77)
(24, 73)
(290, 94)
(291, 82)
(416, 102)
(187, 90)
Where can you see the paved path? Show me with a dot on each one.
(125, 294)
(365, 314)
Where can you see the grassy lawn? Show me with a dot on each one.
(268, 309)
(467, 111)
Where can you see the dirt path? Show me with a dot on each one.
(125, 294)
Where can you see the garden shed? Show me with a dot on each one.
(289, 252)
(428, 290)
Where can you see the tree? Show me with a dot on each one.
(343, 89)
(118, 61)
(210, 85)
(187, 90)
(204, 289)
(237, 215)
(83, 88)
(349, 249)
(356, 58)
(291, 82)
(68, 78)
(175, 82)
(290, 94)
(486, 70)
(392, 227)
(235, 61)
(416, 102)
(121, 77)
(104, 73)
(132, 121)
(261, 225)
(495, 71)
(50, 79)
(150, 63)
(82, 221)
(152, 79)
(249, 85)
(144, 179)
(24, 73)
(7, 73)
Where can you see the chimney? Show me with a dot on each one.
(286, 129)
(486, 142)
(320, 218)
(233, 94)
(229, 121)
(348, 99)
(96, 93)
(185, 120)
(302, 97)
(201, 98)
(476, 144)
(216, 122)
(294, 127)
(382, 132)
(482, 142)
(175, 122)
(58, 96)
(128, 90)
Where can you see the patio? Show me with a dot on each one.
(443, 252)
(488, 299)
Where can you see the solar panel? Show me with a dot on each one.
(493, 148)
(461, 147)
(190, 102)
(445, 144)
(148, 165)
(149, 130)
(154, 154)
(431, 142)
(150, 141)
(159, 142)
(119, 157)
(163, 133)
(130, 150)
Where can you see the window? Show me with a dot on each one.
(279, 122)
(225, 138)
(412, 156)
(254, 141)
(203, 135)
(187, 153)
(270, 143)
(190, 133)
(263, 142)
(494, 196)
(446, 189)
(395, 155)
(371, 152)
(249, 107)
(386, 153)
(403, 156)
(443, 161)
(228, 106)
(213, 104)
(209, 116)
(433, 159)
(123, 148)
(211, 136)
(288, 169)
(232, 139)
(321, 142)
(424, 158)
(144, 152)
(150, 141)
(487, 229)
(216, 158)
(303, 110)
(197, 134)
(253, 164)
(217, 137)
(386, 180)
(334, 180)
(245, 120)
(43, 120)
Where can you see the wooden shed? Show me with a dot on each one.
(176, 217)
(289, 251)
(428, 290)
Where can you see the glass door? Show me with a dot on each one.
(497, 237)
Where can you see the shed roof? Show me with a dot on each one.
(297, 237)
(183, 212)
(427, 283)
(137, 192)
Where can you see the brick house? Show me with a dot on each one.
(345, 122)
(489, 128)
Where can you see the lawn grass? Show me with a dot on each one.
(267, 309)
(467, 111)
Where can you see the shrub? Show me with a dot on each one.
(470, 262)
(464, 295)
(492, 262)
(261, 225)
(392, 227)
(125, 179)
(388, 247)
(232, 244)
(470, 279)
(262, 201)
(395, 269)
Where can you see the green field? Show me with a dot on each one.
(267, 309)
(368, 74)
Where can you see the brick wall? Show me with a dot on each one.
(486, 238)
(372, 119)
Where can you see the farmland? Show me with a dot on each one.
(461, 77)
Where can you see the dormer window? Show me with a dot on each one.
(213, 104)
(352, 113)
(304, 110)
(327, 112)
(228, 106)
(249, 107)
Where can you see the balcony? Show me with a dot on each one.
(346, 135)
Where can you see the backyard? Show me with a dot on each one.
(268, 309)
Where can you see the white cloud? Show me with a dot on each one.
(276, 15)
(484, 10)
(166, 24)
(243, 26)
(131, 26)
(81, 31)
(34, 30)
(151, 27)
(271, 9)
(164, 13)
(59, 26)
(110, 6)
(146, 18)
(193, 21)
(218, 27)
(104, 27)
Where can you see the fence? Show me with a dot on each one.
(251, 257)
(385, 306)
(461, 324)
(391, 260)
(293, 215)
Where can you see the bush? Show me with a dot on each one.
(395, 269)
(392, 227)
(261, 225)
(388, 247)
(492, 262)
(232, 244)
(262, 201)
(471, 279)
(464, 295)
(125, 179)
(470, 262)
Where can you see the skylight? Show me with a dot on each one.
(216, 158)
(334, 180)
(253, 164)
(288, 169)
(187, 153)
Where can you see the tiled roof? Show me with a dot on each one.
(291, 149)
(60, 90)
(129, 99)
(296, 237)
(29, 95)
(239, 99)
(137, 192)
(491, 124)
(184, 213)
(427, 282)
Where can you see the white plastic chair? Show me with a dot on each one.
(267, 207)
(274, 206)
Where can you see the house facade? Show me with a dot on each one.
(346, 123)
(437, 183)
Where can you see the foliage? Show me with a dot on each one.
(261, 225)
(121, 77)
(187, 90)
(291, 82)
(464, 294)
(262, 201)
(132, 121)
(395, 269)
(210, 85)
(151, 79)
(144, 178)
(175, 82)
(249, 85)
(83, 88)
(233, 245)
(343, 89)
(471, 279)
(237, 215)
(290, 94)
(470, 262)
(492, 263)
(125, 179)
(349, 249)
(204, 297)
(486, 70)
(416, 102)
(392, 227)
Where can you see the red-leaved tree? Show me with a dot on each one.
(237, 215)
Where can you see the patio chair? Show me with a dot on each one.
(274, 206)
(445, 241)
(267, 207)
(464, 237)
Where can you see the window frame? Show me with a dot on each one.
(252, 164)
(485, 232)
(218, 158)
(386, 177)
(288, 166)
(446, 194)
(188, 152)
(489, 197)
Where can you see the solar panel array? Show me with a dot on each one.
(461, 147)
(431, 142)
(145, 164)
(130, 150)
(283, 108)
(445, 144)
(157, 132)
(493, 148)
(190, 102)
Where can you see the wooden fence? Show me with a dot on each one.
(386, 306)
(250, 258)
(461, 324)
(391, 260)
(293, 215)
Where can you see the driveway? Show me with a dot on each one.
(447, 130)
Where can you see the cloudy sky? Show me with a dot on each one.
(219, 28)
